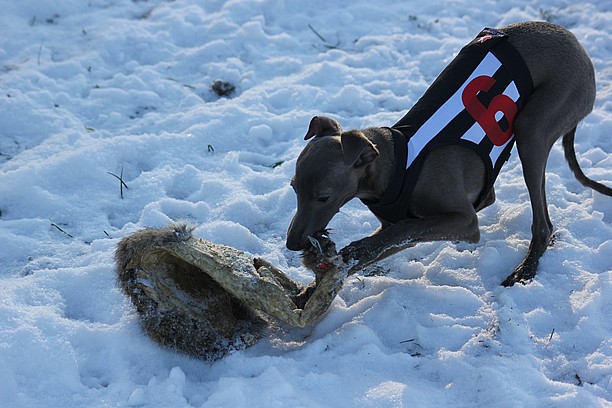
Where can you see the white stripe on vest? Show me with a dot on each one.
(454, 106)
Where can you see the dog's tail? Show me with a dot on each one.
(570, 156)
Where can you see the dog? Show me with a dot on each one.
(527, 83)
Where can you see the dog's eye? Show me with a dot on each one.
(322, 199)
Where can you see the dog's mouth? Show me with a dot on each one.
(314, 239)
(309, 242)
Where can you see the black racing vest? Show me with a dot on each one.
(472, 103)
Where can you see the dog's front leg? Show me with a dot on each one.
(407, 233)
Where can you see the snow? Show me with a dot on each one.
(96, 91)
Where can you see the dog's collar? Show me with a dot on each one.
(394, 188)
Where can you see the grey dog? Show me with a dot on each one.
(527, 83)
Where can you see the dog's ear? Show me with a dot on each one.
(357, 149)
(322, 126)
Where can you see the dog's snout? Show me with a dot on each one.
(295, 240)
(294, 245)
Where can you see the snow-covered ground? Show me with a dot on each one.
(94, 90)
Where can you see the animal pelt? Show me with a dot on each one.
(181, 306)
(206, 299)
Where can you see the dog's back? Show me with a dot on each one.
(567, 76)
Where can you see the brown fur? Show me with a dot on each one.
(205, 321)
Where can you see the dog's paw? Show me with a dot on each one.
(523, 274)
(357, 252)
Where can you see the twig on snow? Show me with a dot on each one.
(121, 182)
(325, 43)
(61, 230)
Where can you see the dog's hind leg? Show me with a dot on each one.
(541, 227)
(564, 93)
(536, 130)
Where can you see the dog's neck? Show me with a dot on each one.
(376, 176)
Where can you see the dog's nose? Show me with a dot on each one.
(294, 245)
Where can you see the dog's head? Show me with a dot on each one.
(327, 175)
